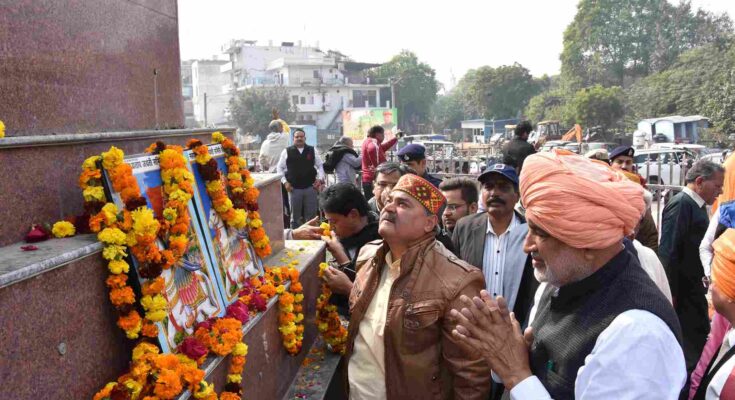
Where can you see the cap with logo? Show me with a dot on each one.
(504, 170)
(411, 152)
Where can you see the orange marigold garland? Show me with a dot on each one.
(221, 336)
(221, 202)
(291, 315)
(244, 194)
(327, 319)
(141, 228)
(158, 376)
(112, 232)
(135, 228)
(178, 189)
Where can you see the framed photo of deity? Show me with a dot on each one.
(192, 284)
(231, 251)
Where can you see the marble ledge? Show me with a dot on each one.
(304, 251)
(263, 179)
(17, 265)
(11, 142)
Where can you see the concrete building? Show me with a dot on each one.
(210, 95)
(186, 93)
(676, 128)
(320, 84)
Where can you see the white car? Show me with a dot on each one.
(663, 166)
(553, 144)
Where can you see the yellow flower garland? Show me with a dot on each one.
(327, 319)
(221, 202)
(291, 315)
(244, 194)
(136, 230)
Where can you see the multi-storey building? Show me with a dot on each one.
(320, 85)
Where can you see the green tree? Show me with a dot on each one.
(415, 87)
(721, 107)
(550, 105)
(615, 42)
(252, 109)
(496, 93)
(447, 112)
(598, 106)
(700, 82)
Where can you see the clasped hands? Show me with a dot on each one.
(486, 327)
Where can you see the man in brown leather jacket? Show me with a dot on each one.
(400, 343)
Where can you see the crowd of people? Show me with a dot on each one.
(543, 277)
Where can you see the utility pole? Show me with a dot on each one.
(205, 109)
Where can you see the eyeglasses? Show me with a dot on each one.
(706, 282)
(455, 207)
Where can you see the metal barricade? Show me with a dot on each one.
(672, 173)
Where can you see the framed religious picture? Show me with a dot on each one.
(231, 251)
(192, 284)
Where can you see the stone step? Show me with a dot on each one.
(317, 377)
(61, 285)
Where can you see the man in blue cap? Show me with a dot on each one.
(621, 158)
(493, 240)
(414, 156)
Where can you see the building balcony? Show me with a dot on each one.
(311, 108)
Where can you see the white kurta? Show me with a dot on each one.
(635, 357)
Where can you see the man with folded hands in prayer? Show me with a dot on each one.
(600, 328)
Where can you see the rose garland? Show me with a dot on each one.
(327, 319)
(244, 193)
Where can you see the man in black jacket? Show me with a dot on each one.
(684, 224)
(352, 226)
(303, 175)
(516, 151)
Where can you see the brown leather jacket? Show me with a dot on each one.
(422, 358)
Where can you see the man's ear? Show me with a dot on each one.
(472, 208)
(353, 213)
(431, 222)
